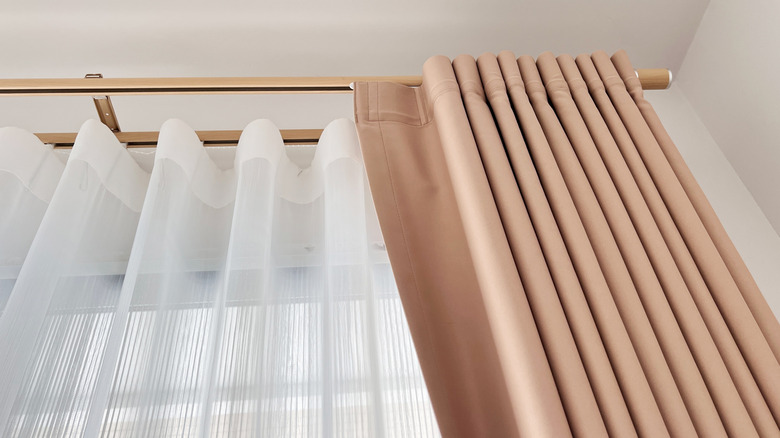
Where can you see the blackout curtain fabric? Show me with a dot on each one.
(253, 299)
(562, 272)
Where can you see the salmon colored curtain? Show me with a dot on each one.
(561, 270)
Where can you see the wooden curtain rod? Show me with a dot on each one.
(651, 79)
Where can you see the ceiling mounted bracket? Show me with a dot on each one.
(104, 107)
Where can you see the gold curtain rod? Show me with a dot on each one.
(146, 86)
(651, 79)
(209, 138)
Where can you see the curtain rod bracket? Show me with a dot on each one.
(104, 107)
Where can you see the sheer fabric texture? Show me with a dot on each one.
(195, 300)
(562, 271)
(29, 172)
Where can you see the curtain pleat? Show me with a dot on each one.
(248, 300)
(768, 322)
(753, 345)
(584, 329)
(54, 329)
(569, 372)
(518, 346)
(622, 265)
(628, 370)
(631, 165)
(29, 172)
(614, 170)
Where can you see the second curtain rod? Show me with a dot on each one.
(651, 79)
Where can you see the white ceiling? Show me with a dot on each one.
(304, 38)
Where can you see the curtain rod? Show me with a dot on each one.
(651, 79)
(209, 138)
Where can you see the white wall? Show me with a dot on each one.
(730, 77)
(750, 230)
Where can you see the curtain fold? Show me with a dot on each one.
(197, 300)
(744, 327)
(649, 240)
(29, 172)
(538, 208)
(768, 322)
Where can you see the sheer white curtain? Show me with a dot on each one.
(29, 172)
(199, 301)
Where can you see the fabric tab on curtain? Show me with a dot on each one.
(562, 272)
